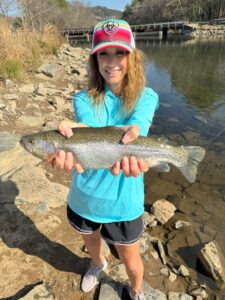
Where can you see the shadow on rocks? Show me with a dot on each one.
(190, 256)
(18, 231)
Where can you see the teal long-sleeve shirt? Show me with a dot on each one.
(97, 195)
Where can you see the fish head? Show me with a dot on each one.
(39, 147)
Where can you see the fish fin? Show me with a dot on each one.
(196, 154)
(7, 141)
(159, 166)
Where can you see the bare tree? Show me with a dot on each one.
(140, 11)
(58, 12)
(7, 7)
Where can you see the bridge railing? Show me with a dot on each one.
(161, 24)
(140, 27)
(133, 27)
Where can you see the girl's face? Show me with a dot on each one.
(112, 64)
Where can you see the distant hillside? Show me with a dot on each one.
(102, 13)
(73, 16)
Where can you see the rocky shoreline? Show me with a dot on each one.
(37, 258)
(201, 31)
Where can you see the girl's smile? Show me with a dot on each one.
(112, 63)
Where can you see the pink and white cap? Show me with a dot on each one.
(112, 33)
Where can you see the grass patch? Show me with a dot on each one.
(12, 69)
(24, 50)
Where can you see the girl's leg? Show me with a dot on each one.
(98, 264)
(94, 246)
(130, 256)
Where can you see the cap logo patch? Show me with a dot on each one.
(110, 27)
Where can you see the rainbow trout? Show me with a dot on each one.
(100, 148)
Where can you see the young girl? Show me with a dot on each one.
(110, 203)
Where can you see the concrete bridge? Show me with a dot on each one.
(141, 31)
(145, 31)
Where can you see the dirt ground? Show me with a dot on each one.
(36, 246)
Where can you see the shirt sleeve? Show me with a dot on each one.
(144, 110)
(83, 109)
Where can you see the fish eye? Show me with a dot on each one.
(31, 141)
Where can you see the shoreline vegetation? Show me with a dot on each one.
(28, 38)
(22, 50)
(34, 201)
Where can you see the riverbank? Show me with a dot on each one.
(207, 30)
(23, 50)
(37, 253)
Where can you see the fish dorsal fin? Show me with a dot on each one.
(163, 140)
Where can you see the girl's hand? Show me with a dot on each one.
(65, 160)
(131, 166)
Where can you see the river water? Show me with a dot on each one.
(189, 76)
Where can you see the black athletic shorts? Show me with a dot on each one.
(117, 233)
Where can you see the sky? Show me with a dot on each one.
(115, 4)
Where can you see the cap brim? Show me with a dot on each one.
(113, 44)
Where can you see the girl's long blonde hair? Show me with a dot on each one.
(133, 83)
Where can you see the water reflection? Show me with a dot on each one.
(197, 68)
(189, 77)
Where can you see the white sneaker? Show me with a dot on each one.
(92, 276)
(137, 296)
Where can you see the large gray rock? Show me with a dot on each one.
(149, 220)
(110, 291)
(30, 121)
(179, 296)
(33, 186)
(8, 141)
(40, 292)
(213, 261)
(11, 97)
(50, 70)
(27, 88)
(153, 294)
(11, 161)
(163, 210)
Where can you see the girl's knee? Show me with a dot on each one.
(133, 265)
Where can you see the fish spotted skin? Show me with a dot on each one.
(100, 148)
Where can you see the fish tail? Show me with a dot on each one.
(196, 154)
(7, 141)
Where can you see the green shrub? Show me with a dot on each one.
(11, 68)
(35, 58)
(22, 51)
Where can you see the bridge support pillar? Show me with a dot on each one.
(165, 32)
(87, 35)
(160, 34)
